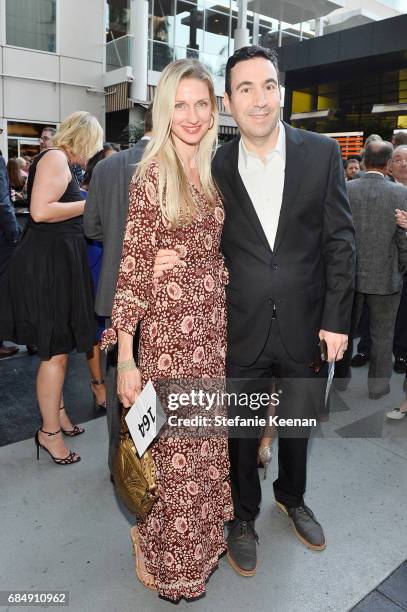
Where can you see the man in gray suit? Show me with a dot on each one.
(105, 217)
(381, 260)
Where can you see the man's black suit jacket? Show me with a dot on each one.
(309, 275)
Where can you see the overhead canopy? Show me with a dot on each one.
(294, 11)
(343, 20)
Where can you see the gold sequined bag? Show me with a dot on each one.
(134, 477)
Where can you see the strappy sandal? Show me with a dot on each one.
(144, 577)
(71, 433)
(93, 381)
(71, 458)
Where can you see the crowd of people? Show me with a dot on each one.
(242, 263)
(378, 200)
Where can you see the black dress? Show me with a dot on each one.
(46, 298)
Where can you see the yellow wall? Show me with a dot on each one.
(302, 102)
(325, 102)
(402, 119)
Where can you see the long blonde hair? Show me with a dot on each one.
(175, 195)
(81, 133)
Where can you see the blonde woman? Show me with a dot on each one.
(174, 204)
(49, 291)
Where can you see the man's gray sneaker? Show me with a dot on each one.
(306, 526)
(242, 542)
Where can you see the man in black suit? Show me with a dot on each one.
(288, 242)
(106, 209)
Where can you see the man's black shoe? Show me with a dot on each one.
(359, 360)
(400, 365)
(306, 527)
(242, 552)
(379, 394)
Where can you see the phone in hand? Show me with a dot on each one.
(323, 348)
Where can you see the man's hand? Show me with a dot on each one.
(401, 218)
(166, 260)
(336, 344)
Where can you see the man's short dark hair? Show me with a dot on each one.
(377, 154)
(348, 161)
(400, 138)
(148, 119)
(248, 53)
(50, 129)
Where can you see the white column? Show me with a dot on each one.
(256, 28)
(139, 44)
(319, 26)
(241, 34)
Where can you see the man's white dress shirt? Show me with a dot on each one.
(264, 182)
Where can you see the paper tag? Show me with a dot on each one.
(331, 372)
(145, 418)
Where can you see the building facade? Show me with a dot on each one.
(143, 36)
(106, 56)
(349, 82)
(52, 63)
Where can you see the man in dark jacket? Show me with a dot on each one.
(105, 217)
(9, 234)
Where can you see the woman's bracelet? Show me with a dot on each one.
(125, 366)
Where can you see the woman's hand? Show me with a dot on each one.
(401, 218)
(128, 386)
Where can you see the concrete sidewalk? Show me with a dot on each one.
(63, 528)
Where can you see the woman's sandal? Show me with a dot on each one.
(71, 433)
(71, 458)
(144, 577)
(103, 405)
(265, 454)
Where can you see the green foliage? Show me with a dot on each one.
(135, 131)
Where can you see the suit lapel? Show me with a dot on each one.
(239, 191)
(295, 155)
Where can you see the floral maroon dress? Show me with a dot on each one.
(183, 335)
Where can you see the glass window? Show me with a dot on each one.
(162, 55)
(163, 21)
(216, 64)
(182, 53)
(26, 130)
(32, 24)
(216, 38)
(189, 26)
(118, 19)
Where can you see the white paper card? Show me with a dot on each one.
(331, 372)
(145, 418)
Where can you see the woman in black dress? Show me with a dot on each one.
(48, 295)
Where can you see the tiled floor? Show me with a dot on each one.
(390, 595)
(63, 528)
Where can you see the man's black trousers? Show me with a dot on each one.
(301, 395)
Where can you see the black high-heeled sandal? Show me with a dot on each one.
(68, 460)
(103, 405)
(71, 433)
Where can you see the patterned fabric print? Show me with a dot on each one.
(183, 335)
